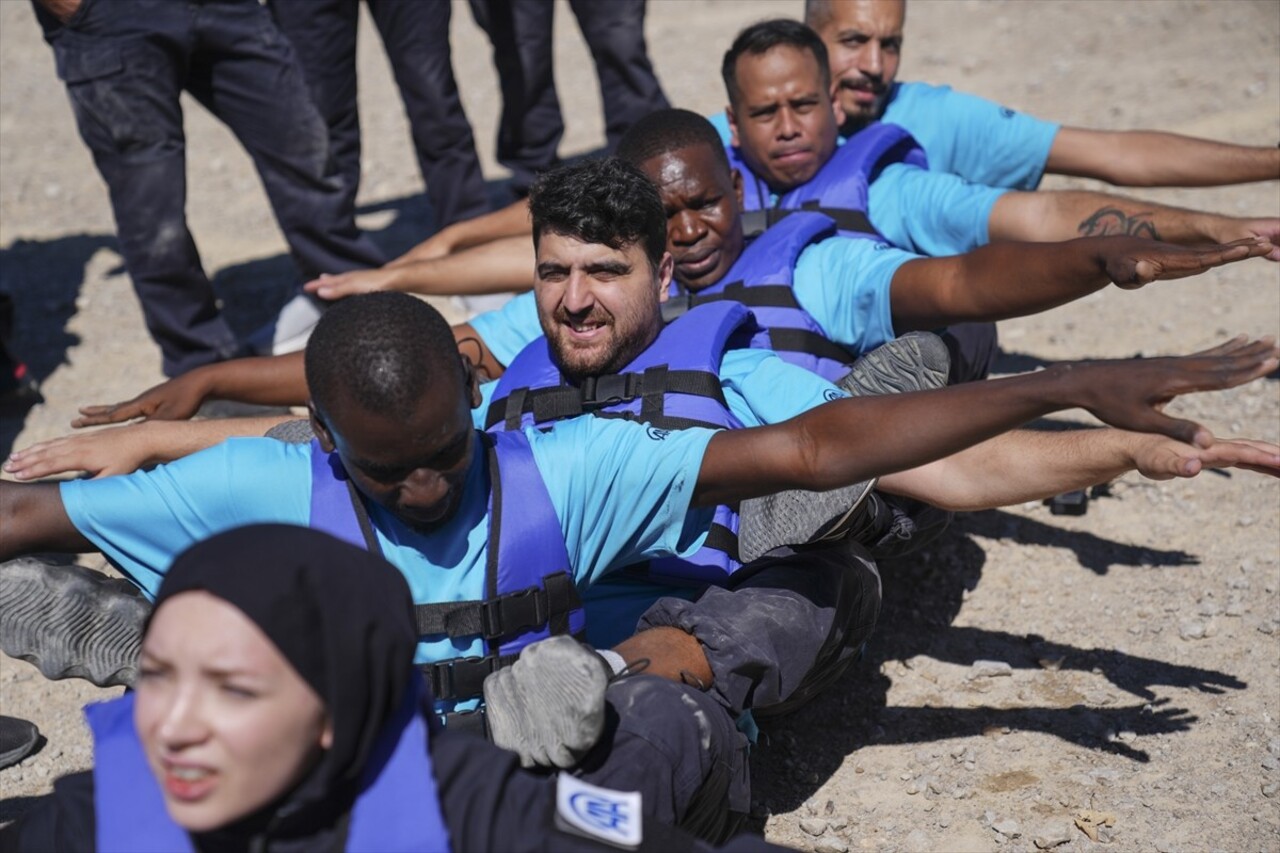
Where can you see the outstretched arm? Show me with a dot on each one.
(125, 449)
(1144, 158)
(1005, 280)
(1061, 215)
(847, 441)
(1025, 465)
(268, 381)
(497, 267)
(33, 519)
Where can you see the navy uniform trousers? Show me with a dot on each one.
(415, 34)
(125, 63)
(531, 125)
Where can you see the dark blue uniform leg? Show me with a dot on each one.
(247, 74)
(416, 36)
(791, 625)
(323, 35)
(973, 348)
(679, 748)
(614, 31)
(531, 126)
(124, 65)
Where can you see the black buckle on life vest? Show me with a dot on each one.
(513, 612)
(601, 391)
(461, 678)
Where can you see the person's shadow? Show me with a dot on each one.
(923, 593)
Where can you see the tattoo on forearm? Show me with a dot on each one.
(473, 349)
(1108, 221)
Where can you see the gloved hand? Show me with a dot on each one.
(548, 707)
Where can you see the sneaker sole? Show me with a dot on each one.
(71, 622)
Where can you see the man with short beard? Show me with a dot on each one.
(989, 144)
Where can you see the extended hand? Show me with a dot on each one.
(100, 454)
(1134, 262)
(1226, 229)
(350, 283)
(175, 400)
(548, 706)
(1132, 394)
(1160, 458)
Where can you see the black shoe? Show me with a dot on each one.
(17, 739)
(71, 622)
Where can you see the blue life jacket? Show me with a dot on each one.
(673, 384)
(840, 187)
(529, 589)
(398, 807)
(762, 279)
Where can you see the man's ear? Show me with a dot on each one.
(733, 125)
(836, 106)
(471, 382)
(737, 186)
(321, 430)
(666, 268)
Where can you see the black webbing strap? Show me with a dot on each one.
(362, 518)
(722, 539)
(811, 343)
(469, 722)
(506, 614)
(756, 222)
(597, 392)
(463, 678)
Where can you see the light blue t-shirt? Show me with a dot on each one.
(620, 491)
(964, 135)
(843, 283)
(972, 137)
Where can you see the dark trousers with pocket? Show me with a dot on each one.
(415, 34)
(125, 64)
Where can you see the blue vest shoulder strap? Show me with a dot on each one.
(673, 384)
(529, 588)
(398, 807)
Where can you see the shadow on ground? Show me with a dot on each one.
(797, 754)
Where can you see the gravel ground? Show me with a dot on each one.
(1036, 678)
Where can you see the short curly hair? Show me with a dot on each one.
(669, 130)
(378, 350)
(606, 201)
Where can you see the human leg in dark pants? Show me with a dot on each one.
(679, 748)
(973, 348)
(614, 32)
(791, 624)
(416, 37)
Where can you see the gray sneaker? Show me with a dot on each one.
(71, 622)
(914, 362)
(293, 432)
(17, 739)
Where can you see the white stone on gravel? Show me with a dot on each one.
(831, 845)
(990, 669)
(813, 826)
(1053, 834)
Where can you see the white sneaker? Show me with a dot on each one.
(291, 328)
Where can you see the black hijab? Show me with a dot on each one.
(341, 616)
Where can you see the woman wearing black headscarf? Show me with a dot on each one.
(278, 709)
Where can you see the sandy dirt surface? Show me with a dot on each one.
(1136, 649)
